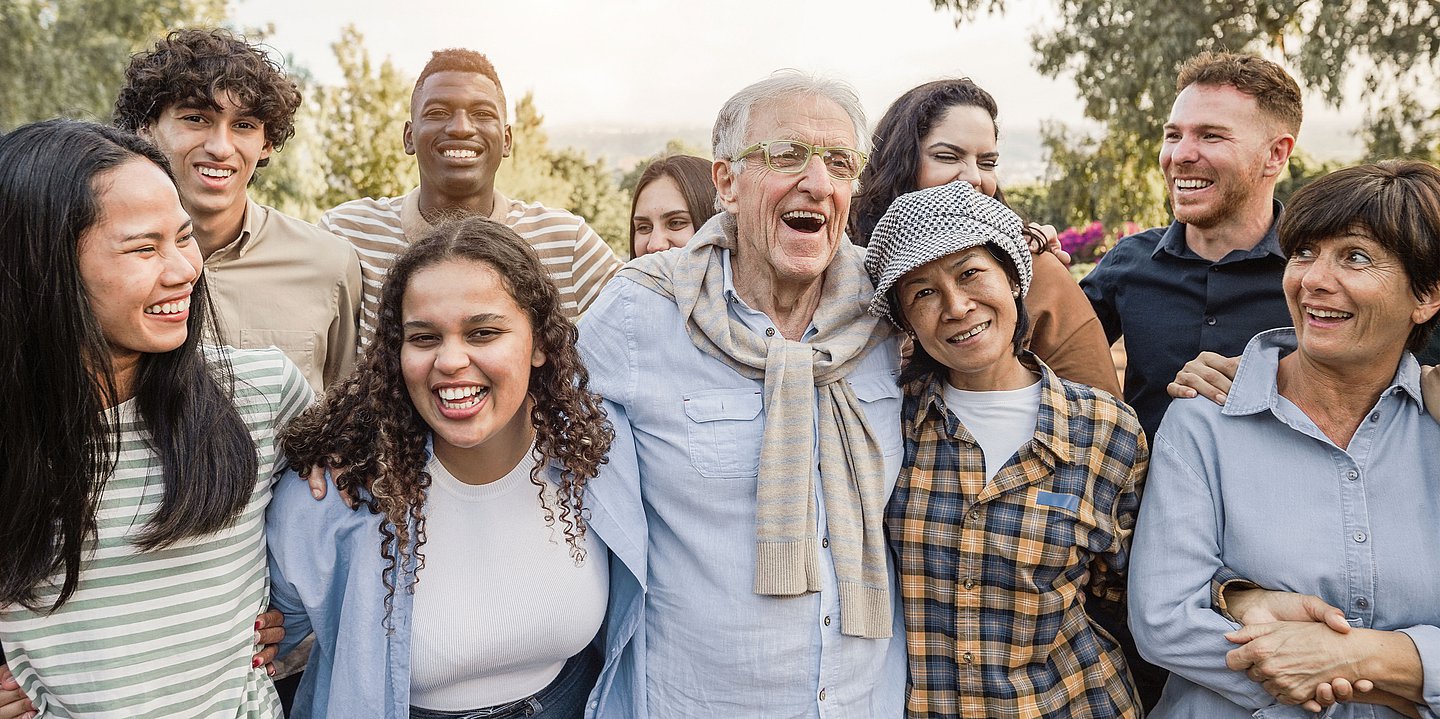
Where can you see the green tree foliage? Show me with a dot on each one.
(673, 146)
(362, 123)
(563, 178)
(67, 57)
(1124, 55)
(1081, 173)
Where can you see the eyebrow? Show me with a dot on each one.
(471, 320)
(1204, 126)
(959, 259)
(674, 213)
(156, 236)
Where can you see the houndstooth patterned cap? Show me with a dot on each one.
(928, 224)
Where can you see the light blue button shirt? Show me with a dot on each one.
(693, 428)
(1256, 487)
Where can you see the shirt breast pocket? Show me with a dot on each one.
(298, 345)
(880, 397)
(725, 431)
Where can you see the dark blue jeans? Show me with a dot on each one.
(563, 698)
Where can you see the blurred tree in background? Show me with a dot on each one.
(67, 57)
(563, 178)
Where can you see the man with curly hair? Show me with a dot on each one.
(458, 133)
(219, 107)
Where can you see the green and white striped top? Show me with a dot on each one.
(167, 633)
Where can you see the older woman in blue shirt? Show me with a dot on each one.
(1316, 481)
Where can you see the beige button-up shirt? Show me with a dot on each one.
(288, 284)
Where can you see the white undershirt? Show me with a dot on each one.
(500, 604)
(1001, 421)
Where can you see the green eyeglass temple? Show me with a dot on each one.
(839, 173)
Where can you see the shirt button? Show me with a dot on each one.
(1210, 320)
(1359, 536)
(827, 621)
(1375, 417)
(1352, 475)
(1362, 602)
(967, 658)
(969, 583)
(974, 514)
(824, 542)
(769, 331)
(822, 695)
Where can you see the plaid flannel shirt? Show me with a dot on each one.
(995, 578)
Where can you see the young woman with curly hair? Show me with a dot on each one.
(944, 131)
(135, 463)
(468, 437)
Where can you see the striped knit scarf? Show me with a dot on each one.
(851, 460)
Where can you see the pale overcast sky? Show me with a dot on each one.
(646, 64)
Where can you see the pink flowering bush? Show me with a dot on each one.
(1087, 244)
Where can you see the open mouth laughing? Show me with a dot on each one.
(460, 398)
(804, 221)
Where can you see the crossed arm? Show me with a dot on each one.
(1302, 651)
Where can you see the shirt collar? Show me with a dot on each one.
(415, 226)
(1254, 389)
(252, 224)
(1173, 241)
(754, 319)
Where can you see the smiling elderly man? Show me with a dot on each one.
(757, 440)
(458, 133)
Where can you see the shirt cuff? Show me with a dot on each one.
(1226, 578)
(1427, 643)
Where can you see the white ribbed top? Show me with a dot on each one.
(500, 604)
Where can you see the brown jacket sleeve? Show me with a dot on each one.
(1064, 332)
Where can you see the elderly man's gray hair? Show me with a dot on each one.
(728, 138)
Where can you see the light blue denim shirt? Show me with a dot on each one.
(1256, 487)
(325, 577)
(713, 647)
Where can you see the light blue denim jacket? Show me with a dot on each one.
(325, 574)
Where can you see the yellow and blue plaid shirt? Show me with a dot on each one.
(995, 577)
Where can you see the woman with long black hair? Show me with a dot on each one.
(135, 462)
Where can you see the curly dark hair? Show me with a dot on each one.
(367, 423)
(194, 65)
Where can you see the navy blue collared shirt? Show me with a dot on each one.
(1171, 304)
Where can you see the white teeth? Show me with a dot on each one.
(1330, 314)
(457, 392)
(461, 397)
(804, 214)
(464, 154)
(1192, 184)
(168, 308)
(977, 329)
(216, 172)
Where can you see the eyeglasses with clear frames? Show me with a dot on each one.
(791, 157)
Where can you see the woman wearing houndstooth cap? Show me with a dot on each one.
(1014, 507)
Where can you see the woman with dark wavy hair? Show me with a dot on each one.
(135, 464)
(944, 131)
(468, 435)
